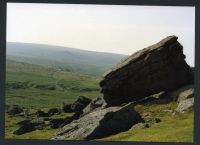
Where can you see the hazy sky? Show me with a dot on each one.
(105, 28)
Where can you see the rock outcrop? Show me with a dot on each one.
(98, 124)
(160, 67)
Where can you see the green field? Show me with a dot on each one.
(178, 128)
(36, 87)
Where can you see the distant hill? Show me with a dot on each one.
(63, 58)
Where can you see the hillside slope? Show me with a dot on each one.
(36, 86)
(64, 58)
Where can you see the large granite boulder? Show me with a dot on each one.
(160, 67)
(100, 123)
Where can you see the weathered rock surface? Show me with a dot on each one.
(96, 103)
(13, 109)
(98, 124)
(185, 105)
(160, 67)
(185, 93)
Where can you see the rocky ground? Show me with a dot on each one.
(155, 76)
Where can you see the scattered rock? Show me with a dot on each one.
(168, 110)
(14, 109)
(24, 129)
(182, 93)
(140, 126)
(28, 126)
(67, 108)
(24, 122)
(80, 103)
(189, 93)
(56, 123)
(40, 113)
(185, 105)
(160, 67)
(53, 111)
(100, 123)
(149, 118)
(147, 114)
(152, 120)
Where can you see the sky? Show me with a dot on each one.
(103, 28)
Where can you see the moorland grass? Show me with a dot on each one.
(178, 128)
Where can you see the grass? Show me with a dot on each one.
(67, 86)
(178, 128)
(11, 125)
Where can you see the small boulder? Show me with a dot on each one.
(80, 103)
(14, 110)
(53, 111)
(56, 123)
(24, 129)
(185, 105)
(189, 93)
(147, 114)
(28, 126)
(24, 122)
(67, 108)
(182, 93)
(40, 113)
(140, 126)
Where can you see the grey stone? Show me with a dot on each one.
(160, 67)
(100, 123)
(41, 113)
(185, 105)
(54, 111)
(80, 103)
(96, 103)
(140, 126)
